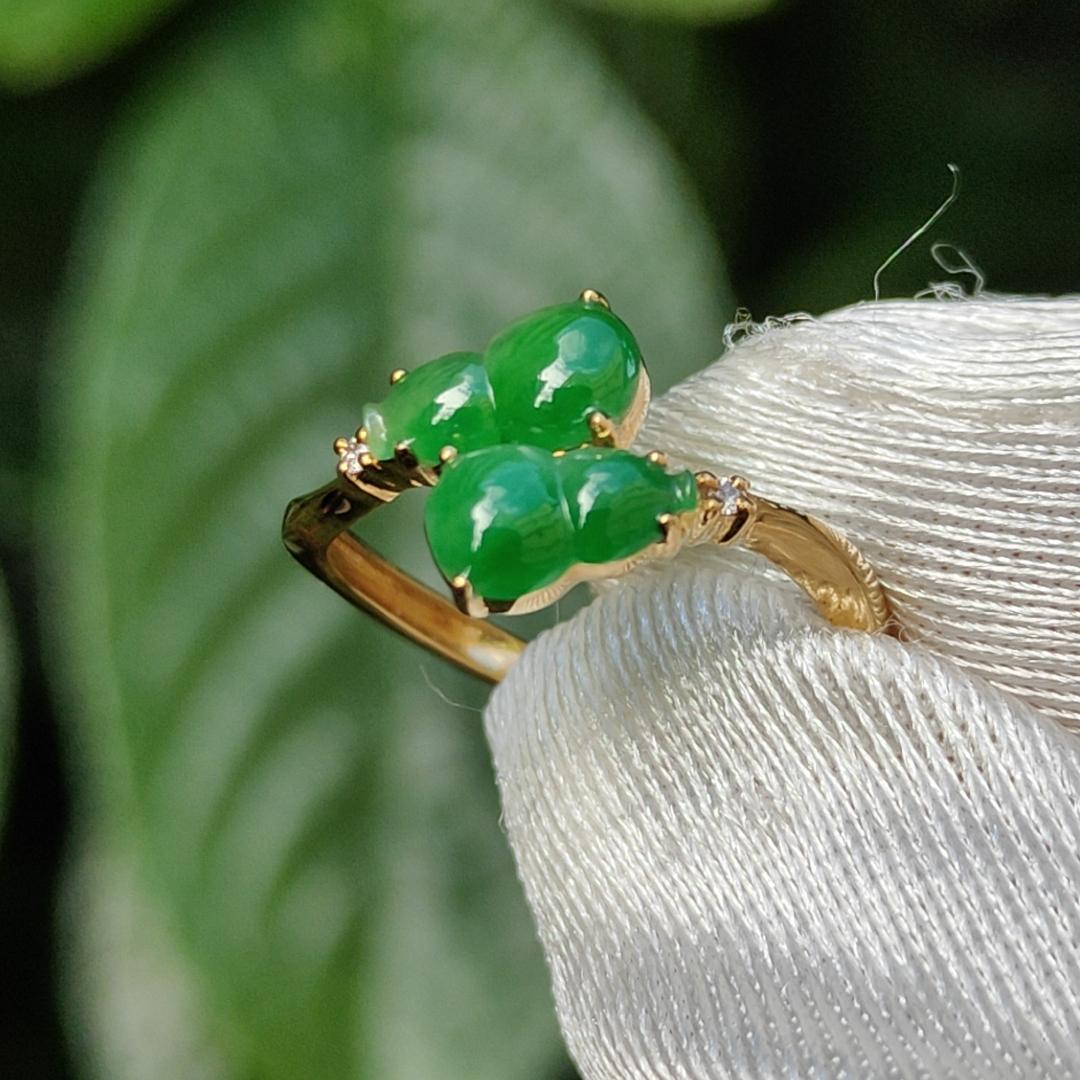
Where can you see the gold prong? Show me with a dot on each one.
(594, 296)
(657, 457)
(558, 453)
(361, 434)
(397, 375)
(447, 454)
(459, 588)
(367, 460)
(403, 454)
(740, 482)
(708, 484)
(341, 445)
(603, 430)
(466, 601)
(666, 523)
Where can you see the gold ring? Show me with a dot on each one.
(533, 491)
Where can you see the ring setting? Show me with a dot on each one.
(534, 490)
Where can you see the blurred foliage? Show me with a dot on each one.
(858, 108)
(44, 41)
(126, 977)
(288, 859)
(8, 671)
(690, 10)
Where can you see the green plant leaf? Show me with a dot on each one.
(317, 195)
(123, 977)
(45, 41)
(698, 11)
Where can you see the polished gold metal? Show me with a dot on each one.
(316, 531)
(603, 432)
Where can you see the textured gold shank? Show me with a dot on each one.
(828, 567)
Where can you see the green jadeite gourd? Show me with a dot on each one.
(536, 383)
(446, 402)
(513, 519)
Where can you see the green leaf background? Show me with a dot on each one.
(315, 195)
(689, 10)
(135, 1003)
(44, 41)
(7, 696)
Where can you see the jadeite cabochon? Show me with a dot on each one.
(513, 519)
(536, 383)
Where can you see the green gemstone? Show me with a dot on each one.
(513, 519)
(497, 518)
(551, 368)
(536, 384)
(614, 499)
(446, 402)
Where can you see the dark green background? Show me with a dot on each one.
(816, 137)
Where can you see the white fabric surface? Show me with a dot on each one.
(758, 847)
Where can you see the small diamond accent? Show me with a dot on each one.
(350, 463)
(728, 494)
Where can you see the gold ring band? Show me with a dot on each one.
(317, 533)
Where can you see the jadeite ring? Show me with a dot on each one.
(524, 446)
